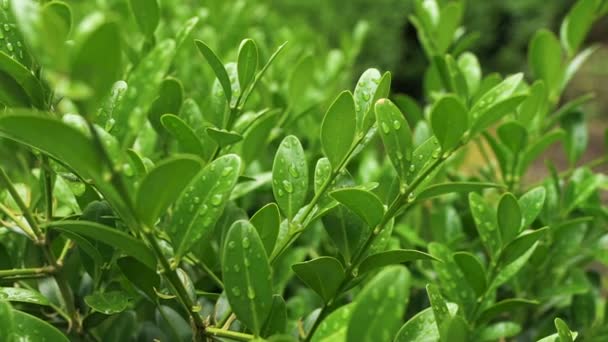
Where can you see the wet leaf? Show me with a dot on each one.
(338, 129)
(290, 176)
(324, 275)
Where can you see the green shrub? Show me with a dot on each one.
(152, 191)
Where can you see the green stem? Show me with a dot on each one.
(27, 230)
(47, 178)
(26, 271)
(21, 204)
(232, 335)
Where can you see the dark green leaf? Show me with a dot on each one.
(31, 328)
(144, 279)
(7, 324)
(218, 68)
(267, 221)
(338, 129)
(108, 303)
(290, 176)
(534, 108)
(247, 62)
(147, 15)
(448, 272)
(324, 275)
(485, 221)
(276, 323)
(508, 217)
(392, 257)
(447, 188)
(576, 136)
(507, 305)
(513, 135)
(396, 136)
(247, 276)
(163, 185)
(169, 101)
(186, 138)
(361, 202)
(520, 245)
(473, 271)
(24, 78)
(333, 328)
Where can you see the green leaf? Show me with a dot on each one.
(261, 73)
(267, 221)
(422, 327)
(31, 328)
(111, 237)
(364, 93)
(146, 14)
(499, 331)
(163, 185)
(185, 32)
(200, 206)
(23, 295)
(99, 49)
(473, 271)
(439, 306)
(333, 328)
(363, 203)
(290, 176)
(535, 149)
(218, 68)
(338, 129)
(144, 279)
(545, 60)
(455, 330)
(520, 245)
(397, 256)
(447, 188)
(345, 229)
(187, 139)
(109, 303)
(423, 155)
(507, 272)
(300, 81)
(513, 135)
(531, 204)
(223, 137)
(247, 62)
(577, 24)
(24, 78)
(247, 276)
(508, 217)
(534, 108)
(485, 221)
(169, 101)
(396, 136)
(471, 70)
(507, 305)
(379, 307)
(256, 137)
(577, 136)
(7, 324)
(276, 323)
(144, 82)
(450, 18)
(495, 103)
(565, 335)
(324, 275)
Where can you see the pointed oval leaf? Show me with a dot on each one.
(247, 62)
(396, 136)
(163, 185)
(439, 306)
(379, 307)
(109, 303)
(422, 327)
(186, 138)
(218, 68)
(146, 14)
(23, 295)
(247, 275)
(111, 237)
(545, 60)
(169, 100)
(200, 206)
(364, 93)
(513, 135)
(290, 176)
(338, 129)
(499, 331)
(363, 203)
(485, 221)
(449, 273)
(324, 275)
(508, 217)
(267, 221)
(577, 24)
(473, 271)
(392, 257)
(520, 245)
(498, 94)
(24, 78)
(447, 188)
(145, 280)
(223, 137)
(507, 305)
(564, 333)
(531, 204)
(471, 70)
(333, 327)
(31, 328)
(276, 323)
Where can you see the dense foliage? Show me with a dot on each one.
(152, 190)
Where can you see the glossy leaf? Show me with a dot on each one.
(144, 279)
(222, 137)
(531, 204)
(247, 62)
(24, 79)
(200, 206)
(507, 305)
(449, 120)
(169, 100)
(485, 221)
(439, 306)
(324, 275)
(577, 24)
(290, 176)
(31, 328)
(108, 303)
(422, 327)
(508, 217)
(247, 276)
(500, 330)
(396, 136)
(218, 68)
(111, 237)
(163, 185)
(473, 271)
(338, 129)
(187, 139)
(471, 70)
(380, 305)
(23, 295)
(267, 221)
(452, 187)
(363, 203)
(147, 15)
(339, 318)
(545, 60)
(513, 135)
(449, 273)
(392, 257)
(520, 245)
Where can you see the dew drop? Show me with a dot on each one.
(436, 153)
(280, 192)
(294, 171)
(236, 268)
(197, 200)
(216, 199)
(412, 167)
(9, 46)
(236, 291)
(385, 128)
(7, 27)
(245, 242)
(231, 244)
(396, 124)
(250, 292)
(227, 171)
(288, 186)
(411, 197)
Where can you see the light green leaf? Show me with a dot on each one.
(439, 306)
(471, 70)
(508, 217)
(577, 24)
(531, 204)
(507, 272)
(423, 155)
(223, 137)
(186, 138)
(473, 271)
(23, 295)
(516, 248)
(534, 108)
(338, 129)
(339, 318)
(396, 136)
(363, 203)
(290, 176)
(108, 303)
(247, 276)
(267, 221)
(163, 185)
(447, 188)
(379, 307)
(31, 328)
(146, 14)
(364, 93)
(24, 79)
(507, 305)
(422, 327)
(499, 331)
(200, 206)
(218, 68)
(7, 324)
(247, 62)
(513, 135)
(545, 60)
(392, 257)
(324, 275)
(564, 333)
(111, 237)
(485, 221)
(256, 137)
